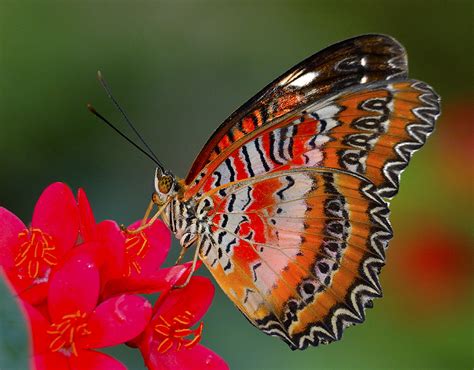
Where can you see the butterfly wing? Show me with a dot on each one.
(360, 60)
(298, 251)
(372, 130)
(291, 188)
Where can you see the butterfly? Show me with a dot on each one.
(286, 204)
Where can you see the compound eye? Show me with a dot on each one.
(165, 184)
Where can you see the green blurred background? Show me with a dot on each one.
(179, 68)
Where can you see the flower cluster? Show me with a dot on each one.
(78, 282)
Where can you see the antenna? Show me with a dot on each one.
(111, 125)
(109, 93)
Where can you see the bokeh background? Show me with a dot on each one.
(179, 68)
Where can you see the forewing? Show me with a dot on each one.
(359, 60)
(298, 251)
(372, 130)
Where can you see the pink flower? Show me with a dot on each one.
(129, 262)
(146, 251)
(29, 254)
(75, 278)
(75, 323)
(169, 341)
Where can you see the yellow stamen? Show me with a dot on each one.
(36, 253)
(67, 331)
(165, 345)
(136, 247)
(176, 333)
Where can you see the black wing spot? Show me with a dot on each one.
(290, 184)
(254, 268)
(230, 168)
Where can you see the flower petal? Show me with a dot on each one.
(196, 297)
(74, 286)
(93, 360)
(50, 360)
(157, 242)
(56, 214)
(38, 325)
(116, 321)
(112, 249)
(195, 358)
(182, 279)
(159, 237)
(107, 249)
(34, 293)
(10, 227)
(86, 217)
(159, 281)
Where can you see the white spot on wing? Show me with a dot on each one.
(320, 141)
(329, 111)
(304, 79)
(314, 157)
(293, 75)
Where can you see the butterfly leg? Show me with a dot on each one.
(148, 210)
(145, 225)
(193, 268)
(181, 254)
(147, 213)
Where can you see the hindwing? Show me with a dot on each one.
(298, 251)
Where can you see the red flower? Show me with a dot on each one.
(147, 250)
(105, 239)
(129, 262)
(29, 254)
(72, 274)
(141, 253)
(75, 323)
(169, 342)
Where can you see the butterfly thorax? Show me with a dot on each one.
(181, 219)
(186, 218)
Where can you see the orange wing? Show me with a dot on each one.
(298, 251)
(360, 60)
(289, 189)
(371, 130)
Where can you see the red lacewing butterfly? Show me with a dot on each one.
(286, 203)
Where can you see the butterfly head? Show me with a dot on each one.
(166, 185)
